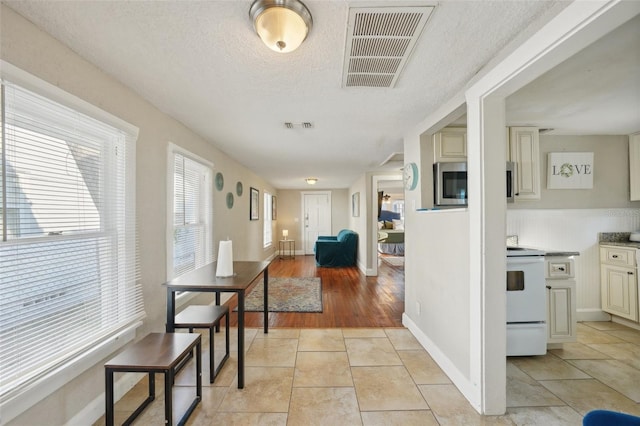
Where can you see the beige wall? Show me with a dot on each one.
(35, 52)
(290, 213)
(610, 174)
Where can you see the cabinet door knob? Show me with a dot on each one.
(561, 268)
(549, 287)
(630, 273)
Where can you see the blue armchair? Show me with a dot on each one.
(609, 418)
(337, 250)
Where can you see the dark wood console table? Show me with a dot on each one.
(204, 280)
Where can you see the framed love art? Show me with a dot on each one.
(570, 170)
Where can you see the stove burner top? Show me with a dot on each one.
(523, 251)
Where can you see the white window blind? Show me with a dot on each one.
(68, 259)
(268, 213)
(192, 215)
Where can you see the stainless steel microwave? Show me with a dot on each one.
(450, 183)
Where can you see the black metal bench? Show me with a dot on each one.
(206, 316)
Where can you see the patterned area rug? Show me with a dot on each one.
(287, 295)
(393, 260)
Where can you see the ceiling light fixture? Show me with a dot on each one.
(281, 24)
(311, 181)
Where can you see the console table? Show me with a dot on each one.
(204, 279)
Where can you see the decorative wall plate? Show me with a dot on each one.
(219, 181)
(239, 189)
(229, 200)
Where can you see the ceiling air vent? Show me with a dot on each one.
(379, 42)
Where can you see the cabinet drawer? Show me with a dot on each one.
(618, 256)
(559, 268)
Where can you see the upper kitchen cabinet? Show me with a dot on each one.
(524, 150)
(634, 167)
(450, 144)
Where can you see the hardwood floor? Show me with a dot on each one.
(350, 299)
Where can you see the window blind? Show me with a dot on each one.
(68, 259)
(192, 215)
(267, 237)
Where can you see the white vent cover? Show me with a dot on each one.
(379, 42)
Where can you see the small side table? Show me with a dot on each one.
(290, 246)
(155, 353)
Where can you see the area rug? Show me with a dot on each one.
(393, 260)
(287, 295)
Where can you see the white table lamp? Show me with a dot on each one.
(285, 233)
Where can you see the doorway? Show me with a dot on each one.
(379, 183)
(316, 214)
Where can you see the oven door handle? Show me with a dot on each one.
(524, 260)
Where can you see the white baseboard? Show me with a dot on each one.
(56, 379)
(623, 321)
(96, 408)
(592, 315)
(468, 389)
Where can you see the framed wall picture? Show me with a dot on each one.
(355, 205)
(254, 206)
(274, 207)
(570, 170)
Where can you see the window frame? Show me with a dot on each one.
(23, 397)
(172, 150)
(267, 230)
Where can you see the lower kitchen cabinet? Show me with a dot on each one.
(561, 299)
(561, 311)
(619, 291)
(619, 281)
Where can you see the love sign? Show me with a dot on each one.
(570, 170)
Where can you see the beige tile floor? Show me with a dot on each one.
(378, 376)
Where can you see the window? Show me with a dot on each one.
(67, 233)
(191, 216)
(268, 213)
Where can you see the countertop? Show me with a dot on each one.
(629, 244)
(551, 253)
(620, 239)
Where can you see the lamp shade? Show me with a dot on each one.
(281, 24)
(285, 233)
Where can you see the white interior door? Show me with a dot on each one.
(316, 214)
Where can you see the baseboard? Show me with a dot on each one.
(96, 408)
(623, 321)
(583, 315)
(459, 380)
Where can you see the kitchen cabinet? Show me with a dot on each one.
(450, 144)
(634, 167)
(524, 151)
(561, 300)
(619, 281)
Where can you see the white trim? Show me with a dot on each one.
(172, 149)
(457, 377)
(95, 409)
(373, 227)
(54, 380)
(302, 233)
(592, 314)
(574, 28)
(54, 93)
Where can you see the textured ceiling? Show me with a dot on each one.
(201, 62)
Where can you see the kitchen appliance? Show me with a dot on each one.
(635, 236)
(450, 183)
(526, 302)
